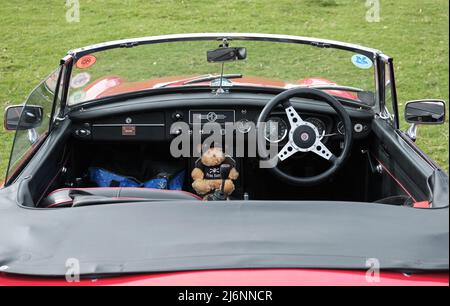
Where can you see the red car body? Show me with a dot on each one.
(251, 277)
(254, 277)
(111, 86)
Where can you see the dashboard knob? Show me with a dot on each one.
(83, 133)
(358, 128)
(177, 116)
(176, 132)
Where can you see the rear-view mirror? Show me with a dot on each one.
(226, 54)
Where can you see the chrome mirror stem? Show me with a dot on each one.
(412, 132)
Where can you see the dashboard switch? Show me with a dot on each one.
(176, 132)
(177, 116)
(358, 128)
(83, 133)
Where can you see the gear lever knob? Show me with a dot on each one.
(225, 171)
(219, 194)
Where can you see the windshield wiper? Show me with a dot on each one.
(203, 78)
(334, 87)
(212, 78)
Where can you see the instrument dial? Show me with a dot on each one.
(341, 128)
(244, 126)
(319, 124)
(276, 130)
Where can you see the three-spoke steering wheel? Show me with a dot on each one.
(304, 136)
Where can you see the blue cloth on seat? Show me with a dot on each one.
(104, 178)
(157, 183)
(176, 183)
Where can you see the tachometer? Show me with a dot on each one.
(244, 126)
(276, 130)
(341, 128)
(319, 124)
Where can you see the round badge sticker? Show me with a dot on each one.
(80, 80)
(362, 61)
(86, 62)
(77, 97)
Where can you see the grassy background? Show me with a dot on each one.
(35, 35)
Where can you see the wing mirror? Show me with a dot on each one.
(31, 119)
(423, 112)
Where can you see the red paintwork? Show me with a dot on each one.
(255, 277)
(114, 85)
(424, 204)
(337, 93)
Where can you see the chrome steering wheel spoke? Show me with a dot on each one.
(294, 118)
(320, 149)
(287, 151)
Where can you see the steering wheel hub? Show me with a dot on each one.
(304, 136)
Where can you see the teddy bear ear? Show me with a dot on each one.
(218, 150)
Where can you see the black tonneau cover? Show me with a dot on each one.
(151, 237)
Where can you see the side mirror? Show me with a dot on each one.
(428, 112)
(31, 119)
(226, 54)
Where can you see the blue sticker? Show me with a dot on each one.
(362, 61)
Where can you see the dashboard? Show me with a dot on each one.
(152, 118)
(158, 125)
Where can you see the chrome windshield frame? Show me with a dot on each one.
(376, 55)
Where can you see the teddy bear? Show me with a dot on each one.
(206, 174)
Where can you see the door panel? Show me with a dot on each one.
(402, 165)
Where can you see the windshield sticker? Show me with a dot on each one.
(77, 97)
(86, 62)
(80, 80)
(362, 61)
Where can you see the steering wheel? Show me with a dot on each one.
(304, 136)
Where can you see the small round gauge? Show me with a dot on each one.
(244, 126)
(276, 130)
(341, 128)
(319, 124)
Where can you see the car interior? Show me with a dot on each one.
(132, 139)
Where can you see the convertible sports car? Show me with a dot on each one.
(96, 188)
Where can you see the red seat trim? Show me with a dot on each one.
(128, 188)
(423, 204)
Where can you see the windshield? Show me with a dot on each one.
(173, 64)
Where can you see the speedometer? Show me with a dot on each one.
(319, 124)
(341, 128)
(276, 130)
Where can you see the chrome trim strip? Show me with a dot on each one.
(192, 111)
(129, 43)
(118, 124)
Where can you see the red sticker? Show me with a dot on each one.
(86, 61)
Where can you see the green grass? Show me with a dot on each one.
(35, 35)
